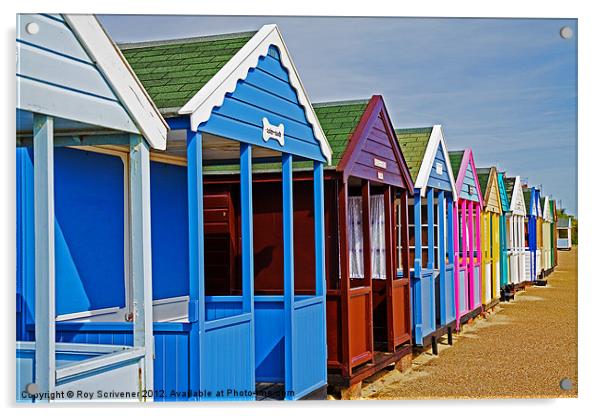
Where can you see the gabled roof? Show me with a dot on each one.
(527, 197)
(515, 195)
(421, 152)
(455, 159)
(173, 71)
(483, 175)
(413, 143)
(192, 76)
(487, 180)
(532, 195)
(504, 198)
(509, 183)
(460, 160)
(547, 211)
(338, 121)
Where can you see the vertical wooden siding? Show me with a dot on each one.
(469, 181)
(377, 145)
(443, 180)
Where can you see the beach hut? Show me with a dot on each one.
(431, 235)
(367, 251)
(532, 229)
(554, 236)
(83, 218)
(467, 249)
(506, 288)
(564, 230)
(490, 236)
(547, 236)
(516, 225)
(237, 99)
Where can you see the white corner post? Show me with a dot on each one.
(45, 354)
(140, 231)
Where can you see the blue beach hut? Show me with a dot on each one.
(234, 98)
(432, 235)
(75, 90)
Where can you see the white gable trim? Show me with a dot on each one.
(547, 213)
(517, 197)
(214, 92)
(429, 159)
(120, 76)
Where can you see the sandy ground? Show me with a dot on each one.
(523, 349)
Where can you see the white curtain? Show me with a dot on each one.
(356, 241)
(377, 236)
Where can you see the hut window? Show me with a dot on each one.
(377, 237)
(356, 240)
(91, 205)
(563, 233)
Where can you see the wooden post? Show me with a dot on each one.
(405, 257)
(430, 264)
(140, 236)
(344, 265)
(450, 250)
(247, 252)
(319, 247)
(45, 353)
(479, 247)
(289, 269)
(441, 252)
(405, 237)
(417, 293)
(463, 231)
(246, 219)
(390, 265)
(196, 253)
(471, 257)
(367, 251)
(457, 229)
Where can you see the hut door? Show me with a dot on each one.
(398, 283)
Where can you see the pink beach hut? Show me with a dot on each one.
(467, 234)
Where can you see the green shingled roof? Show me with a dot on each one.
(455, 158)
(338, 121)
(483, 176)
(413, 144)
(172, 72)
(509, 185)
(527, 197)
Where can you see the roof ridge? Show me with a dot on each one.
(194, 39)
(341, 102)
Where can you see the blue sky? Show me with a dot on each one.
(505, 87)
